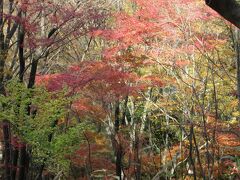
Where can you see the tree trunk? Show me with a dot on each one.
(15, 153)
(21, 53)
(2, 56)
(237, 49)
(33, 73)
(7, 154)
(117, 117)
(137, 157)
(23, 163)
(119, 153)
(118, 146)
(191, 158)
(124, 111)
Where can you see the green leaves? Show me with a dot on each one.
(36, 116)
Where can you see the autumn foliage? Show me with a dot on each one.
(149, 94)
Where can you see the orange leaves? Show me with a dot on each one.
(96, 33)
(226, 136)
(102, 80)
(93, 153)
(208, 42)
(153, 80)
(228, 139)
(46, 79)
(151, 163)
(177, 152)
(130, 30)
(182, 63)
(85, 108)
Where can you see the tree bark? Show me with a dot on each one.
(7, 154)
(237, 51)
(137, 156)
(191, 158)
(33, 73)
(124, 111)
(118, 146)
(117, 116)
(119, 154)
(2, 54)
(21, 53)
(14, 151)
(23, 163)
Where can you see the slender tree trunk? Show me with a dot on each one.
(117, 116)
(21, 53)
(4, 47)
(191, 158)
(2, 54)
(124, 111)
(237, 49)
(137, 156)
(119, 153)
(23, 162)
(89, 166)
(198, 155)
(166, 147)
(215, 100)
(7, 155)
(33, 73)
(15, 154)
(118, 146)
(14, 149)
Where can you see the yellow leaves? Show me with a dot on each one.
(128, 8)
(168, 104)
(228, 52)
(101, 140)
(211, 119)
(234, 103)
(234, 121)
(61, 121)
(8, 72)
(236, 113)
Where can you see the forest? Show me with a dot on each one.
(119, 90)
